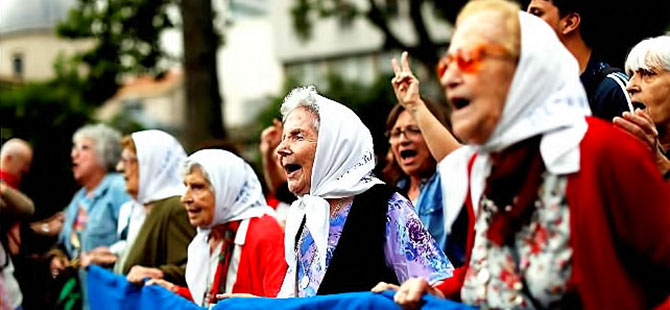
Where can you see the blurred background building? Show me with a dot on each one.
(29, 45)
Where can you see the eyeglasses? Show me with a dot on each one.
(469, 61)
(410, 132)
(128, 160)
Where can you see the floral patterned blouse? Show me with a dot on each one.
(537, 263)
(409, 249)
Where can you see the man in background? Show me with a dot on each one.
(605, 86)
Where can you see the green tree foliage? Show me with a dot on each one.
(609, 24)
(126, 35)
(381, 14)
(46, 114)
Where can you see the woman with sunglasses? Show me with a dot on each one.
(560, 222)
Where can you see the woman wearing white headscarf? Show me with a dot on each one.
(347, 230)
(159, 228)
(239, 245)
(565, 211)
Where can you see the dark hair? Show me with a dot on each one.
(585, 9)
(392, 172)
(568, 6)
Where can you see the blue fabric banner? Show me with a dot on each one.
(112, 292)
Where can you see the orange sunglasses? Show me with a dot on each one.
(469, 61)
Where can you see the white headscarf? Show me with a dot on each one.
(546, 97)
(237, 195)
(342, 167)
(158, 156)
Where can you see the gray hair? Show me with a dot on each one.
(106, 143)
(649, 54)
(302, 97)
(187, 168)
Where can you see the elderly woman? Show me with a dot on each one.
(91, 217)
(648, 64)
(239, 245)
(560, 221)
(347, 230)
(160, 230)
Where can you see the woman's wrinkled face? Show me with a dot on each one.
(478, 75)
(129, 166)
(84, 159)
(652, 88)
(409, 148)
(198, 199)
(297, 150)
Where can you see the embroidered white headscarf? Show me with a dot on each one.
(342, 167)
(237, 196)
(158, 156)
(546, 97)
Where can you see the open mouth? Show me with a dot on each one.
(639, 105)
(407, 154)
(460, 103)
(193, 210)
(290, 168)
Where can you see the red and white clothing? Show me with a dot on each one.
(256, 264)
(564, 211)
(598, 238)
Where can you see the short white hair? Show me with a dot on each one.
(650, 54)
(302, 97)
(187, 168)
(106, 143)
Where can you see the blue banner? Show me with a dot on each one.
(112, 292)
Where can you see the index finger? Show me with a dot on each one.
(644, 114)
(405, 62)
(395, 66)
(641, 120)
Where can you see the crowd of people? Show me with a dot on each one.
(546, 189)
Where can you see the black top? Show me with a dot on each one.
(358, 262)
(606, 97)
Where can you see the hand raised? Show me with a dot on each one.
(405, 84)
(271, 137)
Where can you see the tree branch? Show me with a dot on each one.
(426, 46)
(378, 18)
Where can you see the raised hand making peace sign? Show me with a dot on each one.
(405, 84)
(406, 87)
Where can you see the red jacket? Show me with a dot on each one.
(262, 267)
(619, 225)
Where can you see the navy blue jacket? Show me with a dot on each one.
(607, 98)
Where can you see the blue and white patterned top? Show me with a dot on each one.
(410, 250)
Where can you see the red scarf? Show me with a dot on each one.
(227, 232)
(516, 176)
(10, 179)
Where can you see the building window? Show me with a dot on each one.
(17, 65)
